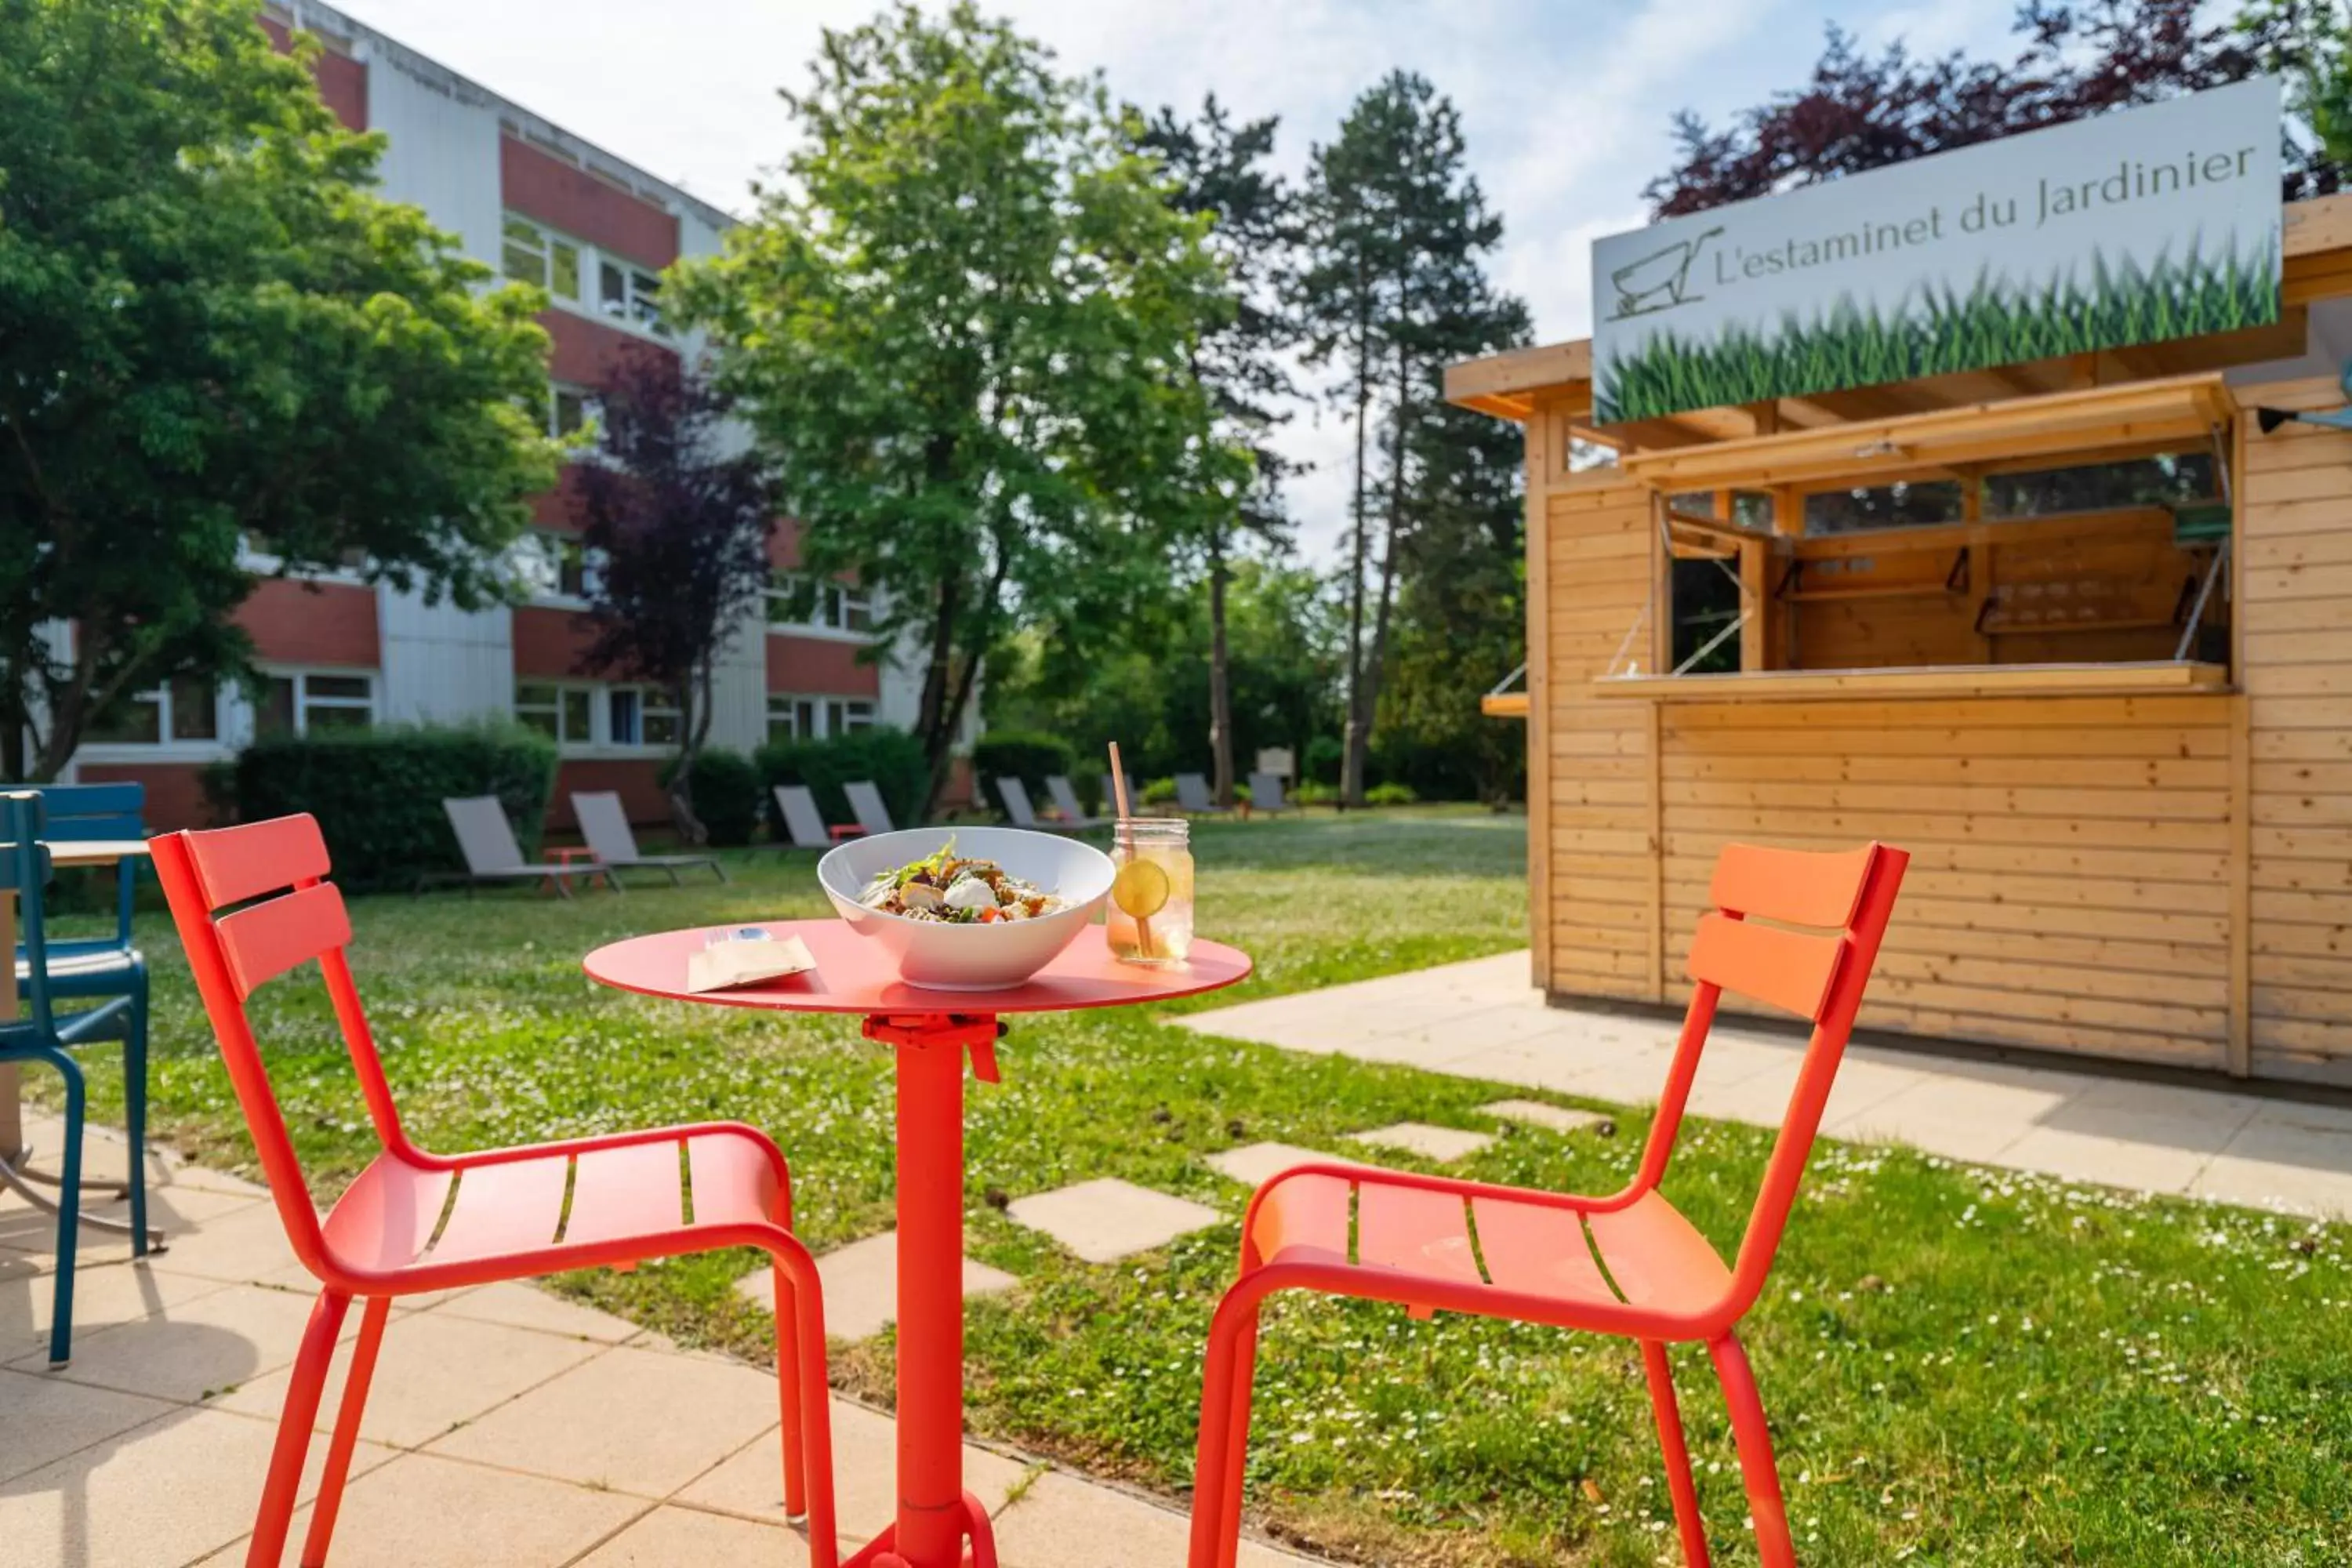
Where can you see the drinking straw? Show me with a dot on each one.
(1118, 797)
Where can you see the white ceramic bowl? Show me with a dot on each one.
(992, 957)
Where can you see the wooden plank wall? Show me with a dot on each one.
(2069, 886)
(2295, 529)
(1596, 874)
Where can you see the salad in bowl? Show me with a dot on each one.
(967, 909)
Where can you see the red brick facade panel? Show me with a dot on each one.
(585, 350)
(548, 643)
(175, 791)
(342, 80)
(560, 509)
(541, 186)
(819, 667)
(636, 780)
(313, 623)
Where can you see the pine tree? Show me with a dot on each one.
(1220, 168)
(1393, 289)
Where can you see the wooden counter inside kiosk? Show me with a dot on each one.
(2117, 850)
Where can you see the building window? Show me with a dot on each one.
(184, 712)
(556, 566)
(568, 408)
(640, 717)
(629, 293)
(307, 702)
(793, 718)
(562, 713)
(532, 255)
(794, 600)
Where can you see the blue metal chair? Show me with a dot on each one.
(39, 1035)
(105, 967)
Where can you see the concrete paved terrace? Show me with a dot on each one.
(1482, 1020)
(506, 1428)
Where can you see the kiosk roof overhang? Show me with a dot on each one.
(1558, 377)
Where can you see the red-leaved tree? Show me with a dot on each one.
(1864, 111)
(676, 514)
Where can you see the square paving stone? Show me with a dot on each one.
(49, 1418)
(521, 1306)
(689, 1538)
(1104, 1221)
(104, 1297)
(861, 1286)
(434, 1372)
(633, 1420)
(206, 1346)
(865, 1469)
(1536, 1113)
(1257, 1164)
(1429, 1142)
(419, 1509)
(1064, 1521)
(184, 1485)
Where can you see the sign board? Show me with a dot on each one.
(1278, 761)
(2132, 228)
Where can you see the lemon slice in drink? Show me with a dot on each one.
(1140, 890)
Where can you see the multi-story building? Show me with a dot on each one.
(538, 203)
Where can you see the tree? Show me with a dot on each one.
(962, 329)
(1393, 287)
(1220, 168)
(1862, 111)
(213, 336)
(677, 524)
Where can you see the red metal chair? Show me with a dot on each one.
(511, 1214)
(1628, 1264)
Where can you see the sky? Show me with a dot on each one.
(1567, 105)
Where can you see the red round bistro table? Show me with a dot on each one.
(932, 1031)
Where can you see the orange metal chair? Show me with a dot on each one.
(1628, 1264)
(414, 1221)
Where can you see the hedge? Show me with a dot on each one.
(1020, 754)
(892, 759)
(728, 795)
(377, 794)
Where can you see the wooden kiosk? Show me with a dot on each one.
(2076, 632)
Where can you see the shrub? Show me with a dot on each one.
(892, 759)
(377, 794)
(1158, 792)
(1324, 757)
(1316, 793)
(1091, 781)
(727, 795)
(1024, 755)
(1390, 795)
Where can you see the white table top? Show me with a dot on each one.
(94, 851)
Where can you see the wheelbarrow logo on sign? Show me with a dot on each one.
(1660, 281)
(2136, 226)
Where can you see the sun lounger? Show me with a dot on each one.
(486, 839)
(615, 845)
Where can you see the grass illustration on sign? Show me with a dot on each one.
(1940, 332)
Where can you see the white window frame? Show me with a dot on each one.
(563, 691)
(591, 406)
(166, 747)
(302, 674)
(827, 714)
(650, 704)
(540, 561)
(636, 313)
(836, 605)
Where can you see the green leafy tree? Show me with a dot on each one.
(962, 329)
(212, 333)
(1222, 169)
(1394, 289)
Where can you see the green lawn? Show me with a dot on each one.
(1963, 1366)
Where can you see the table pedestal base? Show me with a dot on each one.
(937, 1517)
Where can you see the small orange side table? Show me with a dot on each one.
(932, 1031)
